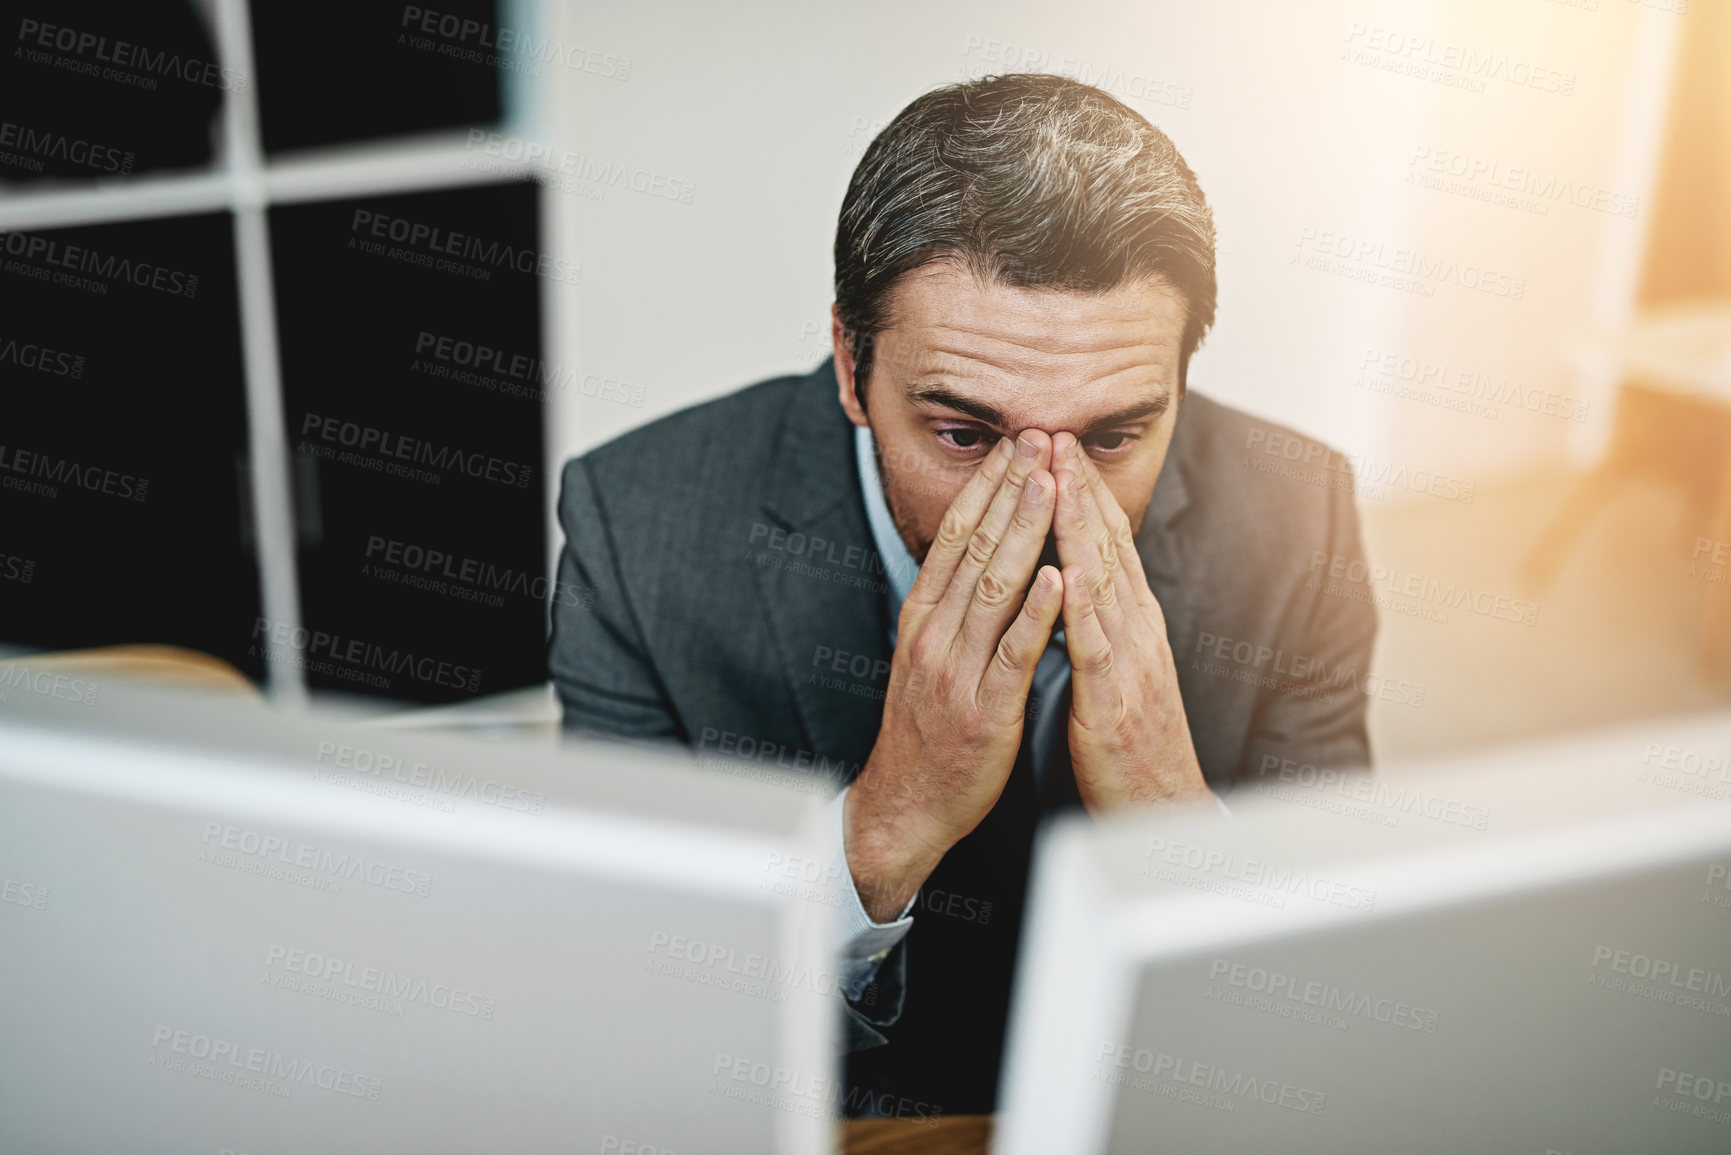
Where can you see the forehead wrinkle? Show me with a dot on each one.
(941, 357)
(1026, 375)
(1067, 340)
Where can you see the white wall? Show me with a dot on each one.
(764, 107)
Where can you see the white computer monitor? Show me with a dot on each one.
(225, 929)
(1525, 951)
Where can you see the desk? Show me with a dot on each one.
(956, 1135)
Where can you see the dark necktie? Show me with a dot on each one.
(946, 1049)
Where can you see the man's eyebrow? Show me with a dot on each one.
(950, 399)
(981, 411)
(1152, 407)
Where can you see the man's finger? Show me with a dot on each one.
(1133, 577)
(1003, 691)
(1093, 663)
(958, 526)
(1085, 543)
(1005, 577)
(1033, 451)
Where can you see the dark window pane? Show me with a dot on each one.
(103, 88)
(413, 387)
(333, 71)
(123, 440)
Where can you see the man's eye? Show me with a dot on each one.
(962, 438)
(1111, 442)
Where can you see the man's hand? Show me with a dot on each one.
(1129, 740)
(966, 647)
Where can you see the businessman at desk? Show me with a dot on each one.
(990, 561)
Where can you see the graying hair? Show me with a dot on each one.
(1029, 180)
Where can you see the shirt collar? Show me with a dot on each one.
(900, 568)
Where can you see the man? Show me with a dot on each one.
(989, 562)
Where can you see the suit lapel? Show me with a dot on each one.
(1160, 541)
(826, 607)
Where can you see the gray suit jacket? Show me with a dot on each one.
(732, 598)
(724, 560)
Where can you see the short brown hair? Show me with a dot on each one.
(1031, 180)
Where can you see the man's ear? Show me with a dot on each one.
(844, 371)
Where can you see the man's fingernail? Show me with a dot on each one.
(1027, 448)
(1006, 447)
(1036, 492)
